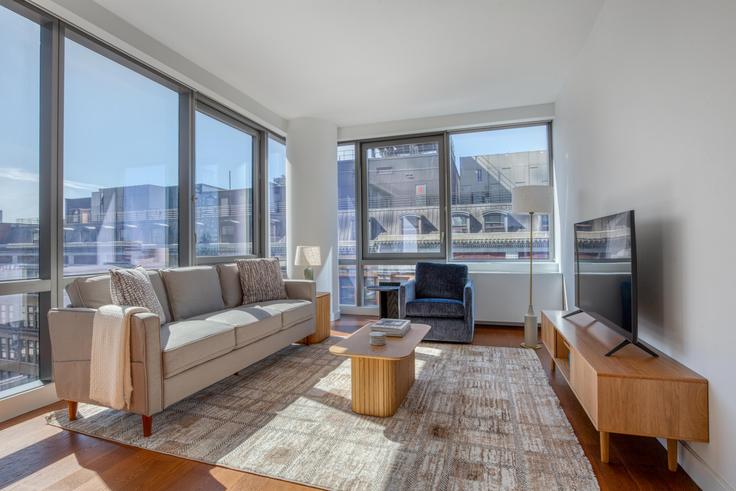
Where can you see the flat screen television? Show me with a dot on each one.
(606, 276)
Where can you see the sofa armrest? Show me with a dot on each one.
(301, 289)
(407, 293)
(468, 292)
(70, 330)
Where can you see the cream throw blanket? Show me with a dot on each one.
(111, 382)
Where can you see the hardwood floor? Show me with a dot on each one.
(34, 455)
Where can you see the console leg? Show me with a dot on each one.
(71, 407)
(672, 454)
(147, 424)
(604, 446)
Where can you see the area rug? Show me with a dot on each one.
(477, 417)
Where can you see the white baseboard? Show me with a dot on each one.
(26, 401)
(698, 469)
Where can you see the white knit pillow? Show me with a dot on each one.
(133, 287)
(261, 280)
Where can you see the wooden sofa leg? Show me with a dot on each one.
(71, 407)
(147, 424)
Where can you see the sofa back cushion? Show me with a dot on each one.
(232, 292)
(435, 280)
(192, 291)
(94, 292)
(261, 280)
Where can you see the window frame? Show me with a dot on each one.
(362, 170)
(225, 116)
(265, 219)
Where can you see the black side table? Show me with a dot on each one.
(388, 299)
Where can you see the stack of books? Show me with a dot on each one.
(392, 327)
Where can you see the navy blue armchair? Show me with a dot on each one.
(440, 295)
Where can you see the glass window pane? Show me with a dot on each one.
(20, 75)
(224, 188)
(375, 274)
(347, 280)
(486, 166)
(121, 141)
(19, 340)
(346, 201)
(277, 200)
(404, 198)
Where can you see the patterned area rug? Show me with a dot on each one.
(477, 417)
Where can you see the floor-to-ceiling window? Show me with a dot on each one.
(121, 164)
(421, 201)
(106, 162)
(224, 191)
(25, 275)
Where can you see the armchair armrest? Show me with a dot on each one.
(468, 301)
(301, 289)
(407, 293)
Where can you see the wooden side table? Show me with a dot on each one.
(322, 319)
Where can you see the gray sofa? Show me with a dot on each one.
(206, 337)
(440, 295)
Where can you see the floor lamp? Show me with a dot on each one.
(531, 200)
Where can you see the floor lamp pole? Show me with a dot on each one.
(531, 339)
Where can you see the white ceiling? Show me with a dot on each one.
(360, 61)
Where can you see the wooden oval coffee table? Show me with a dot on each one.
(381, 376)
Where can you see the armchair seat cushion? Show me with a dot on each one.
(448, 308)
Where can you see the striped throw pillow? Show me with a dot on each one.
(261, 280)
(132, 287)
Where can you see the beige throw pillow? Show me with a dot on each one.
(261, 280)
(133, 287)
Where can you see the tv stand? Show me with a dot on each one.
(631, 393)
(638, 344)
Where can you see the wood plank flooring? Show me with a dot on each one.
(34, 455)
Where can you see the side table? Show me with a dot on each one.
(322, 319)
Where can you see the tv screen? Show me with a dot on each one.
(605, 263)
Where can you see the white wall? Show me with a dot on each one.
(646, 121)
(311, 171)
(503, 298)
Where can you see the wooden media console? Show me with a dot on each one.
(630, 392)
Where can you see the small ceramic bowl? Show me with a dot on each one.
(378, 339)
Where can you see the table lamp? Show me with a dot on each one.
(308, 256)
(531, 199)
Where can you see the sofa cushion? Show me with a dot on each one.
(250, 323)
(94, 292)
(436, 307)
(160, 290)
(261, 280)
(186, 344)
(434, 280)
(133, 287)
(292, 311)
(232, 292)
(192, 291)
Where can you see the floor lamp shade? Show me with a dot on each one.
(531, 200)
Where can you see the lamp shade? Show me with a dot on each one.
(531, 199)
(308, 256)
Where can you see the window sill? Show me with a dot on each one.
(26, 398)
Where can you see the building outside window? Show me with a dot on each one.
(346, 221)
(276, 217)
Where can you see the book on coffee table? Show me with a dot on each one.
(392, 327)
